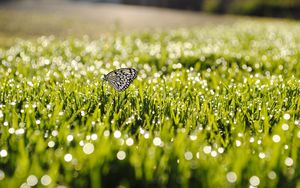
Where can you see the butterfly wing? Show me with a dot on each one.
(120, 79)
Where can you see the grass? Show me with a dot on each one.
(211, 107)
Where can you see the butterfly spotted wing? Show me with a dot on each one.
(120, 79)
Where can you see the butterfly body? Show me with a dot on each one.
(120, 79)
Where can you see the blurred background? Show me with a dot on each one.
(65, 18)
(270, 8)
(273, 8)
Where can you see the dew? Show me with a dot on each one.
(188, 155)
(54, 133)
(285, 127)
(81, 143)
(129, 141)
(2, 175)
(38, 122)
(48, 106)
(261, 155)
(286, 116)
(251, 140)
(32, 180)
(272, 175)
(70, 138)
(288, 161)
(82, 113)
(276, 138)
(231, 177)
(193, 137)
(94, 136)
(106, 133)
(157, 141)
(88, 148)
(198, 155)
(146, 135)
(11, 130)
(259, 142)
(46, 180)
(68, 157)
(254, 181)
(142, 131)
(286, 146)
(61, 113)
(51, 144)
(3, 153)
(121, 155)
(213, 153)
(117, 134)
(207, 149)
(25, 185)
(221, 150)
(238, 143)
(20, 131)
(5, 123)
(297, 122)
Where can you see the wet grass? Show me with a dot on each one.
(211, 107)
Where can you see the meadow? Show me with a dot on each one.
(217, 106)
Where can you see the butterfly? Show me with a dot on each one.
(120, 79)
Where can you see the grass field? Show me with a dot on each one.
(217, 106)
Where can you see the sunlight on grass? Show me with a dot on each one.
(211, 107)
